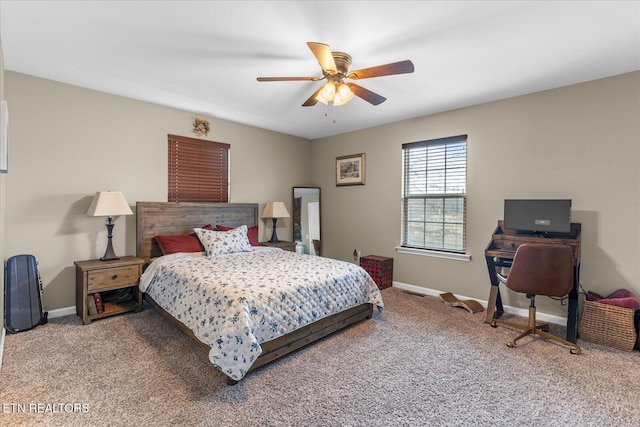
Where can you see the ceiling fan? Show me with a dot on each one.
(335, 69)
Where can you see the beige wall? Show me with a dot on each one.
(580, 142)
(68, 142)
(2, 204)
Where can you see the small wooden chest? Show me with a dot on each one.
(379, 268)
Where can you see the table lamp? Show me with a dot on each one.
(109, 204)
(275, 210)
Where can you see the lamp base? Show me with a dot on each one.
(274, 235)
(109, 254)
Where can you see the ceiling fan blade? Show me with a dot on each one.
(402, 67)
(286, 79)
(312, 99)
(366, 94)
(323, 54)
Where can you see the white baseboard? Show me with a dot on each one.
(549, 318)
(62, 312)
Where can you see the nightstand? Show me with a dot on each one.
(287, 246)
(101, 276)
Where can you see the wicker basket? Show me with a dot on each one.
(608, 325)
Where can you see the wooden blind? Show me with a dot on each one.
(198, 170)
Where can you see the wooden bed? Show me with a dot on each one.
(168, 218)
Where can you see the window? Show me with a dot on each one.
(434, 199)
(198, 170)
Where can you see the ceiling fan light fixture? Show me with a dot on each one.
(327, 93)
(343, 95)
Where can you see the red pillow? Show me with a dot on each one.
(252, 233)
(170, 244)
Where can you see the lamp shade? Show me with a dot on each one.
(275, 210)
(109, 203)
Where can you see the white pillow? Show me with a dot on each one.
(224, 242)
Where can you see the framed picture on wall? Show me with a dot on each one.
(350, 170)
(4, 137)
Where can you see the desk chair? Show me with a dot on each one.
(539, 269)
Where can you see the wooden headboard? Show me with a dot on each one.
(162, 218)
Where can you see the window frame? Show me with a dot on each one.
(438, 166)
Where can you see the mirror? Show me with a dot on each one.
(306, 220)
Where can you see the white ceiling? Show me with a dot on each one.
(204, 56)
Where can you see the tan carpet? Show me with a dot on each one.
(420, 362)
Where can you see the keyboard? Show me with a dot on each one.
(511, 250)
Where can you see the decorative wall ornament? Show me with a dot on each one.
(201, 127)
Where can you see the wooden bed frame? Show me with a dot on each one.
(167, 218)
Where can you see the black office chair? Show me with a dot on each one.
(539, 269)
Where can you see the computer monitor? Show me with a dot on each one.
(538, 216)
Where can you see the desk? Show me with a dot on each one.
(497, 257)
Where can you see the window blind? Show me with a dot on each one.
(434, 200)
(198, 170)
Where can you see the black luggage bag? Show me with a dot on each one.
(22, 294)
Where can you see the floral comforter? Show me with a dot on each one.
(236, 301)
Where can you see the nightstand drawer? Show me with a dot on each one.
(112, 278)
